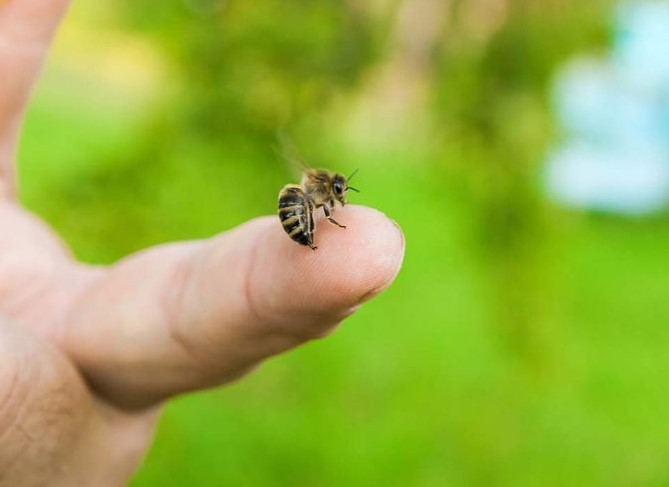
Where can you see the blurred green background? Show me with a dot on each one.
(521, 344)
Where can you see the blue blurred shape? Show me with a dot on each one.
(614, 114)
(641, 45)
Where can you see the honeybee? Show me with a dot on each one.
(319, 188)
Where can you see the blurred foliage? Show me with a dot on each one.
(520, 345)
(244, 71)
(491, 104)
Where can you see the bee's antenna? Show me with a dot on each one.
(352, 174)
(353, 189)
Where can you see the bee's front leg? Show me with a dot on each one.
(328, 215)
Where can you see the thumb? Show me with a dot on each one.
(26, 29)
(28, 24)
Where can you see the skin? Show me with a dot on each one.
(89, 354)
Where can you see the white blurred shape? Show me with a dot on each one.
(625, 180)
(615, 117)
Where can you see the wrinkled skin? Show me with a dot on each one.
(89, 354)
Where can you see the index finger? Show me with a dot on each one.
(193, 315)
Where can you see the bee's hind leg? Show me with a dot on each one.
(328, 215)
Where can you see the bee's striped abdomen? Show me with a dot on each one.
(296, 215)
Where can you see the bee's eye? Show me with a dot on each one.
(338, 187)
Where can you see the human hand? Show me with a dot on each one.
(88, 354)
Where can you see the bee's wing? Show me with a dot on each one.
(287, 151)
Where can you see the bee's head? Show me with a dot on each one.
(339, 188)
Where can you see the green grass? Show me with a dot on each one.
(415, 390)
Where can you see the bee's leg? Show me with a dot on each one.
(310, 241)
(310, 226)
(328, 215)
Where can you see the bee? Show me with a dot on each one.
(319, 188)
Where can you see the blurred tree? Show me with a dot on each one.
(393, 101)
(236, 74)
(242, 71)
(495, 64)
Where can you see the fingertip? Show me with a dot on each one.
(362, 260)
(350, 266)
